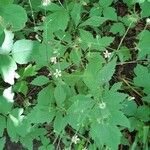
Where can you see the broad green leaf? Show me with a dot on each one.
(92, 72)
(14, 120)
(6, 2)
(94, 21)
(16, 19)
(59, 123)
(124, 54)
(88, 41)
(7, 68)
(107, 72)
(78, 112)
(22, 51)
(75, 56)
(103, 134)
(57, 21)
(144, 44)
(59, 94)
(2, 125)
(41, 114)
(142, 78)
(45, 96)
(105, 3)
(110, 13)
(145, 9)
(5, 106)
(76, 12)
(40, 80)
(2, 143)
(118, 28)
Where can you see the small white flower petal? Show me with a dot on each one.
(46, 2)
(102, 105)
(106, 54)
(75, 139)
(57, 73)
(148, 20)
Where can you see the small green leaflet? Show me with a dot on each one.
(94, 21)
(118, 28)
(144, 44)
(110, 13)
(142, 79)
(40, 80)
(105, 3)
(14, 19)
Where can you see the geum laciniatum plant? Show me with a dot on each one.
(75, 74)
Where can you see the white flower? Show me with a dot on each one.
(57, 73)
(46, 2)
(130, 98)
(148, 20)
(102, 105)
(75, 139)
(106, 54)
(53, 60)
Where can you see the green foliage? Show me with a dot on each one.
(75, 74)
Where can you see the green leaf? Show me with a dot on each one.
(107, 72)
(105, 3)
(5, 105)
(118, 28)
(2, 125)
(14, 120)
(124, 54)
(145, 9)
(7, 68)
(94, 21)
(41, 114)
(45, 96)
(144, 44)
(88, 41)
(142, 78)
(2, 143)
(103, 134)
(57, 21)
(110, 13)
(11, 17)
(78, 112)
(76, 12)
(59, 94)
(59, 123)
(6, 2)
(40, 80)
(22, 51)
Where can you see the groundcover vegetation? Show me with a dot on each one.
(74, 74)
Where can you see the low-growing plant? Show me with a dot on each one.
(75, 74)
